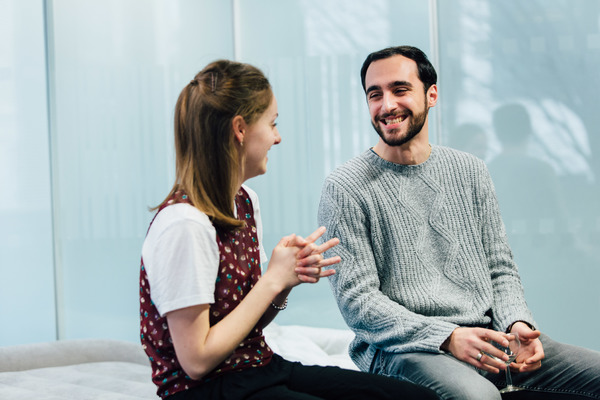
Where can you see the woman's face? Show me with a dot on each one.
(259, 138)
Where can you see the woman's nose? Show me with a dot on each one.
(277, 137)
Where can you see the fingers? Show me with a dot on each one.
(315, 278)
(487, 363)
(494, 336)
(307, 250)
(287, 240)
(317, 260)
(530, 335)
(494, 353)
(330, 261)
(530, 367)
(310, 261)
(316, 234)
(536, 358)
(312, 248)
(314, 271)
(297, 241)
(328, 245)
(308, 246)
(476, 347)
(533, 354)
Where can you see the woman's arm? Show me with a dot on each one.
(309, 268)
(200, 347)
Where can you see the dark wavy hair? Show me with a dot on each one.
(426, 71)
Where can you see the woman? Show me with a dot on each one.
(203, 305)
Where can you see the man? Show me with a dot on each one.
(427, 280)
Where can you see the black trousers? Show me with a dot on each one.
(282, 379)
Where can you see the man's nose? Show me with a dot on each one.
(388, 102)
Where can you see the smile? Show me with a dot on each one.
(394, 120)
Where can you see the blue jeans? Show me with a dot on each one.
(566, 370)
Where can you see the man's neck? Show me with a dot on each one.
(411, 153)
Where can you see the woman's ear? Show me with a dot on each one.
(239, 128)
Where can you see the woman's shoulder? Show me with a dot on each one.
(180, 215)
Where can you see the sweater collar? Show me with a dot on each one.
(375, 160)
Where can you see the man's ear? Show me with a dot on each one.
(239, 128)
(432, 96)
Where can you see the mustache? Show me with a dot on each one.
(406, 113)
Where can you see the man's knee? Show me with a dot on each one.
(480, 389)
(448, 377)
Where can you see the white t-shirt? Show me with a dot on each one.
(181, 256)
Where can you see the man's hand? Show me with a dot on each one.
(532, 352)
(472, 345)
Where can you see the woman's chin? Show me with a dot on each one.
(257, 172)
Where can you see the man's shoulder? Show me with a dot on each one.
(450, 152)
(352, 170)
(459, 159)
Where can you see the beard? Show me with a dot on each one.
(416, 125)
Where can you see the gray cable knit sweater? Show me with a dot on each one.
(423, 251)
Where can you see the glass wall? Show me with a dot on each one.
(78, 180)
(519, 82)
(27, 306)
(118, 68)
(313, 61)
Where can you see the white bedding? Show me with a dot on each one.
(110, 369)
(311, 346)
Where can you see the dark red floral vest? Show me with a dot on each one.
(239, 270)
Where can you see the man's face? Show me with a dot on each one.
(397, 100)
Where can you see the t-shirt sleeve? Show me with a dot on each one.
(181, 258)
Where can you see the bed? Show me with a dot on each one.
(111, 369)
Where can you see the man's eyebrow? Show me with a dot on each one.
(399, 83)
(390, 85)
(372, 88)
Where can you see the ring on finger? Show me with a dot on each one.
(479, 356)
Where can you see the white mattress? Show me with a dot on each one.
(111, 369)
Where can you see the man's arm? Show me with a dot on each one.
(372, 315)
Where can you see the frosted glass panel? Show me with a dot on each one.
(519, 83)
(518, 87)
(27, 306)
(312, 52)
(118, 69)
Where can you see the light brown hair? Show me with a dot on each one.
(207, 157)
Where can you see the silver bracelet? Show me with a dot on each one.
(281, 307)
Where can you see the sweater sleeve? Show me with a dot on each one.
(374, 317)
(509, 298)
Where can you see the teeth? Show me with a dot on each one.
(394, 120)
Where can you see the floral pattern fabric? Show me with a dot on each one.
(239, 270)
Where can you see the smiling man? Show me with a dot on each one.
(427, 279)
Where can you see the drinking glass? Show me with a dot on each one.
(514, 345)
